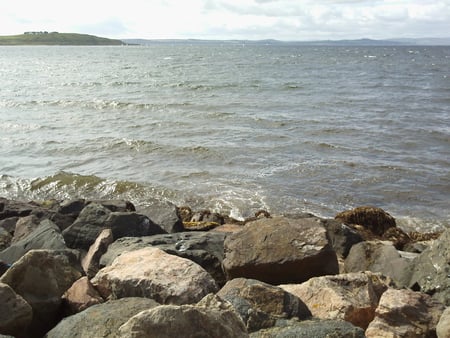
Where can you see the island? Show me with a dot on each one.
(54, 38)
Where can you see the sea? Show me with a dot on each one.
(233, 128)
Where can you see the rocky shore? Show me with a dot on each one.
(108, 268)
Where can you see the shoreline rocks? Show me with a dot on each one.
(108, 269)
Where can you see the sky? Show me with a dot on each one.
(231, 19)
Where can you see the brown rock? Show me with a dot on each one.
(211, 317)
(405, 313)
(25, 226)
(280, 250)
(90, 262)
(352, 297)
(375, 219)
(152, 273)
(227, 227)
(80, 296)
(443, 327)
(15, 313)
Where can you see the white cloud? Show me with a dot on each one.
(221, 19)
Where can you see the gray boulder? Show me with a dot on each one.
(5, 238)
(83, 232)
(432, 270)
(211, 317)
(41, 277)
(311, 328)
(101, 320)
(280, 250)
(46, 236)
(341, 236)
(260, 304)
(165, 214)
(203, 248)
(15, 314)
(380, 256)
(131, 224)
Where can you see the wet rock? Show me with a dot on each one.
(203, 248)
(11, 208)
(405, 313)
(351, 297)
(131, 224)
(211, 317)
(80, 296)
(101, 320)
(200, 226)
(84, 231)
(379, 256)
(116, 205)
(260, 304)
(374, 219)
(41, 277)
(280, 250)
(207, 216)
(46, 236)
(341, 236)
(152, 273)
(432, 270)
(311, 328)
(164, 214)
(443, 326)
(15, 314)
(91, 262)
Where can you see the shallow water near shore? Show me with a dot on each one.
(232, 128)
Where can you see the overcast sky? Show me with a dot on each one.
(230, 19)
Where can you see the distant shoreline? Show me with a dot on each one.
(57, 39)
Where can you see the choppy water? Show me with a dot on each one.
(232, 128)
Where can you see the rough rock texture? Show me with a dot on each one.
(351, 297)
(443, 327)
(405, 313)
(131, 224)
(80, 296)
(341, 236)
(41, 277)
(260, 304)
(9, 224)
(311, 329)
(203, 248)
(24, 227)
(152, 273)
(84, 231)
(46, 236)
(91, 261)
(165, 214)
(432, 269)
(5, 238)
(375, 219)
(280, 250)
(227, 227)
(11, 208)
(101, 320)
(15, 312)
(211, 317)
(379, 256)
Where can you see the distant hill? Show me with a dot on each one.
(55, 38)
(358, 42)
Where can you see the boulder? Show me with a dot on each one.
(432, 269)
(228, 228)
(203, 248)
(379, 256)
(374, 219)
(11, 208)
(314, 328)
(91, 261)
(131, 224)
(80, 296)
(352, 297)
(103, 320)
(405, 313)
(164, 214)
(41, 277)
(84, 231)
(280, 250)
(15, 314)
(25, 226)
(5, 239)
(116, 205)
(152, 273)
(9, 224)
(211, 317)
(341, 236)
(46, 236)
(3, 267)
(260, 305)
(443, 326)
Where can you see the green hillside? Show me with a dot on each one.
(54, 38)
